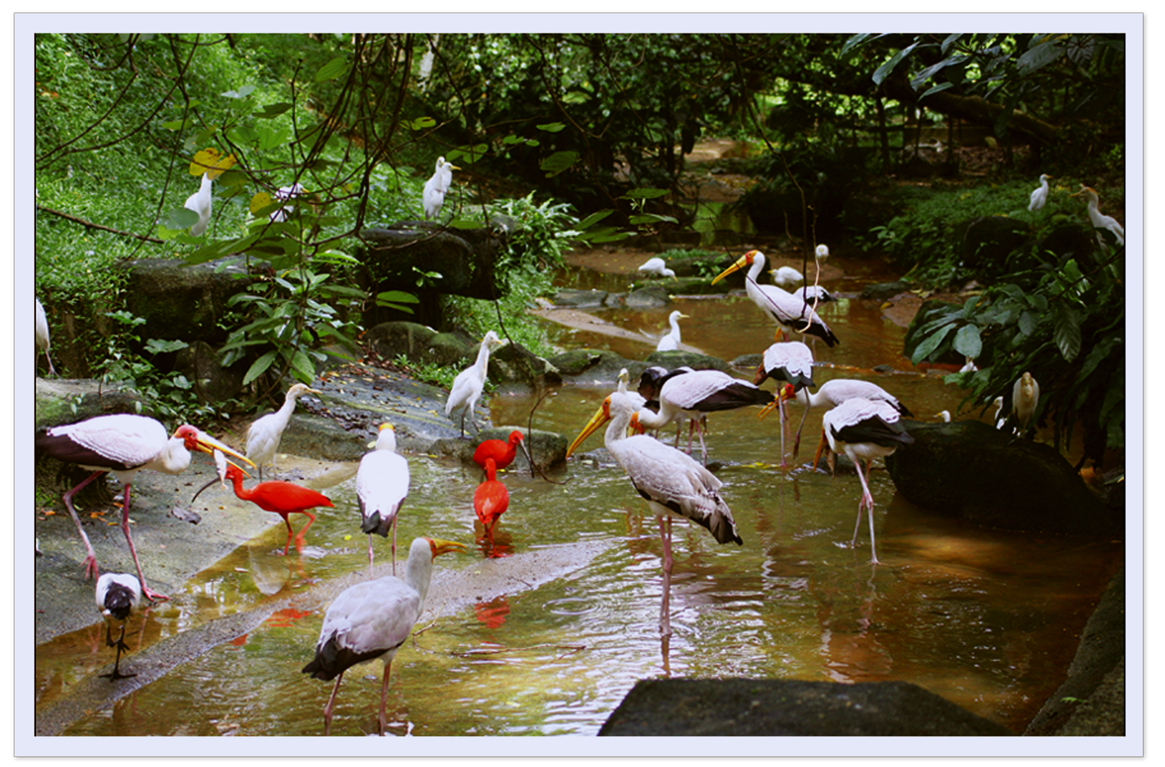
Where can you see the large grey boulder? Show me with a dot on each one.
(970, 471)
(180, 301)
(464, 259)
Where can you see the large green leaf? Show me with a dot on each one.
(337, 67)
(967, 341)
(558, 162)
(259, 367)
(884, 71)
(929, 344)
(1066, 332)
(1041, 55)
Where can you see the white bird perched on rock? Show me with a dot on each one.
(670, 481)
(42, 334)
(372, 620)
(283, 194)
(863, 430)
(1099, 220)
(671, 341)
(1025, 395)
(199, 202)
(124, 444)
(118, 596)
(264, 434)
(657, 267)
(786, 277)
(382, 484)
(787, 310)
(469, 383)
(437, 187)
(1039, 195)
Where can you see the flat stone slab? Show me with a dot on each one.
(770, 707)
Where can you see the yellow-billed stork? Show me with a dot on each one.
(265, 434)
(864, 430)
(382, 484)
(118, 596)
(372, 620)
(833, 393)
(791, 362)
(469, 383)
(787, 310)
(123, 444)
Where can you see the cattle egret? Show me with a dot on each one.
(264, 435)
(199, 202)
(656, 266)
(469, 383)
(437, 187)
(42, 334)
(1039, 195)
(1099, 220)
(786, 277)
(1025, 396)
(671, 341)
(283, 194)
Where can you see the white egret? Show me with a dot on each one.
(469, 383)
(42, 334)
(786, 277)
(1099, 220)
(1039, 195)
(283, 194)
(671, 341)
(437, 187)
(656, 266)
(1025, 396)
(265, 433)
(199, 202)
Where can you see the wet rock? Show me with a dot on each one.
(462, 260)
(985, 244)
(885, 290)
(325, 439)
(514, 363)
(580, 299)
(213, 383)
(967, 470)
(64, 400)
(547, 449)
(770, 707)
(678, 358)
(390, 339)
(653, 297)
(592, 366)
(183, 301)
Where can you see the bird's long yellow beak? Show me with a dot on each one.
(601, 416)
(743, 261)
(209, 444)
(221, 463)
(440, 547)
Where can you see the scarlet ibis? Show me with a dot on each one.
(1039, 195)
(382, 484)
(864, 430)
(792, 362)
(283, 498)
(490, 499)
(1025, 395)
(200, 203)
(469, 383)
(123, 444)
(372, 620)
(656, 266)
(264, 434)
(1098, 219)
(42, 334)
(433, 196)
(502, 453)
(670, 481)
(786, 277)
(697, 393)
(837, 391)
(118, 596)
(785, 309)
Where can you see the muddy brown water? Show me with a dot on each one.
(987, 619)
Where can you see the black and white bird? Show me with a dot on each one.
(265, 434)
(792, 363)
(123, 444)
(788, 311)
(811, 293)
(433, 196)
(372, 620)
(42, 334)
(382, 484)
(200, 203)
(1039, 195)
(118, 597)
(1098, 219)
(671, 482)
(863, 430)
(656, 266)
(833, 393)
(469, 383)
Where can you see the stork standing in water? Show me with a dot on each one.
(123, 444)
(787, 310)
(118, 596)
(833, 393)
(382, 484)
(671, 482)
(265, 434)
(469, 383)
(372, 620)
(863, 430)
(792, 362)
(433, 196)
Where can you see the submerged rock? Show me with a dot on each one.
(970, 471)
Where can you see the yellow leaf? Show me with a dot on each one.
(260, 201)
(211, 162)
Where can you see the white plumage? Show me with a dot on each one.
(787, 310)
(42, 334)
(433, 196)
(1025, 396)
(265, 434)
(811, 293)
(833, 393)
(1099, 220)
(864, 430)
(382, 484)
(787, 277)
(283, 194)
(469, 383)
(372, 620)
(998, 418)
(792, 362)
(822, 252)
(200, 202)
(1039, 195)
(123, 444)
(656, 266)
(671, 341)
(118, 596)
